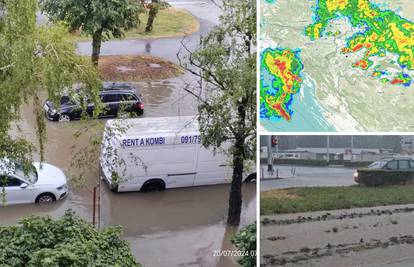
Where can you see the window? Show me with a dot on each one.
(127, 97)
(404, 164)
(64, 99)
(9, 181)
(110, 98)
(392, 165)
(411, 163)
(377, 164)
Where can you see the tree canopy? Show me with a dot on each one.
(36, 61)
(68, 241)
(226, 64)
(99, 19)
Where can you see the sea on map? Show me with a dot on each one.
(336, 65)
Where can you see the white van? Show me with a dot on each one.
(150, 154)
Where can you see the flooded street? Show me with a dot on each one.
(177, 227)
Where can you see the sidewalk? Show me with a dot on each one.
(378, 236)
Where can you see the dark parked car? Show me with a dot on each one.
(398, 163)
(117, 98)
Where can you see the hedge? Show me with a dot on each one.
(69, 241)
(370, 177)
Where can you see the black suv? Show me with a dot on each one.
(116, 98)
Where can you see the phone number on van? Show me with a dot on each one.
(191, 139)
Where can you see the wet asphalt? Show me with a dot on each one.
(302, 176)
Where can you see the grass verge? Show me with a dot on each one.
(136, 68)
(170, 22)
(303, 199)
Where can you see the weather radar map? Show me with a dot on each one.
(336, 65)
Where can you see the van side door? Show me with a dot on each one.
(212, 168)
(181, 165)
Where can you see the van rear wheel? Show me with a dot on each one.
(250, 178)
(153, 187)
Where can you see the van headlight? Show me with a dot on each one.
(356, 175)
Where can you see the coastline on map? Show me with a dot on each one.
(303, 102)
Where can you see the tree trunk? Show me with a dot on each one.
(151, 15)
(96, 47)
(235, 201)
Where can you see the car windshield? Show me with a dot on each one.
(28, 175)
(377, 164)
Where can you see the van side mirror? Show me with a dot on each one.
(24, 185)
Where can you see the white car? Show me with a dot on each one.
(43, 183)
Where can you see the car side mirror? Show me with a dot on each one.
(24, 185)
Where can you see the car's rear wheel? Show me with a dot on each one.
(64, 118)
(45, 198)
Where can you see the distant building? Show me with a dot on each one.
(407, 144)
(355, 154)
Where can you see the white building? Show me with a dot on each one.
(355, 154)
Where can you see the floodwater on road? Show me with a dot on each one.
(168, 97)
(298, 176)
(178, 227)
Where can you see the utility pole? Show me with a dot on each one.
(352, 147)
(327, 149)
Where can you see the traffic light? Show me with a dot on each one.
(274, 141)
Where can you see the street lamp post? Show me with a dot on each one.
(269, 154)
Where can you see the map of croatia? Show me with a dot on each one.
(355, 70)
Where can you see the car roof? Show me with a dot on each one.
(406, 158)
(109, 86)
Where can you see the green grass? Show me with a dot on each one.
(304, 199)
(171, 22)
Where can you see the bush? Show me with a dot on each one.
(371, 177)
(245, 241)
(68, 241)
